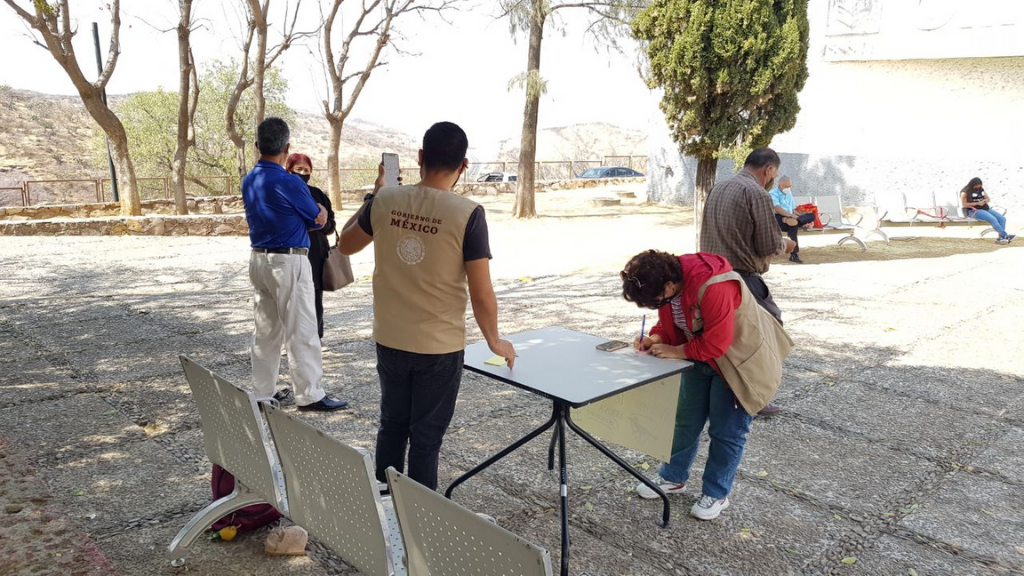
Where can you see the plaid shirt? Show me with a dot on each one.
(739, 224)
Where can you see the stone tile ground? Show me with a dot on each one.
(901, 445)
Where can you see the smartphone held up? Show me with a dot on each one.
(391, 171)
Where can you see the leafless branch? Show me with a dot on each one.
(115, 45)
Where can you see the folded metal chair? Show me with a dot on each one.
(444, 539)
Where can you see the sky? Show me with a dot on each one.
(457, 71)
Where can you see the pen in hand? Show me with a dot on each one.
(643, 327)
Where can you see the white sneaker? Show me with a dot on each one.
(707, 508)
(645, 492)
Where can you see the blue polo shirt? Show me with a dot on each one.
(278, 207)
(783, 199)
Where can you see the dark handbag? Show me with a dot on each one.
(337, 268)
(247, 519)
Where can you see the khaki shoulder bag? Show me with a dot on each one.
(752, 366)
(338, 267)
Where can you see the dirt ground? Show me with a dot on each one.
(900, 248)
(900, 448)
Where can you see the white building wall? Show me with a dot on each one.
(872, 131)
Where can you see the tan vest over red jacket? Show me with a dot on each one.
(420, 289)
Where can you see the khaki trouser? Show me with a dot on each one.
(283, 303)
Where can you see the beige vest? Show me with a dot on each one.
(752, 366)
(420, 290)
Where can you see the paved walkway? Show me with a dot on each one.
(901, 448)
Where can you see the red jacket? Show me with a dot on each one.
(718, 309)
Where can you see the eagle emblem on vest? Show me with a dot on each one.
(411, 250)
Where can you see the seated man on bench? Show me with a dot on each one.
(785, 213)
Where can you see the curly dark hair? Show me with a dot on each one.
(645, 275)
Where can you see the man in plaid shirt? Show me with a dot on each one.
(739, 223)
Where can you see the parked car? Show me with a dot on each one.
(497, 177)
(610, 172)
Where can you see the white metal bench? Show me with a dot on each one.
(938, 214)
(319, 483)
(444, 539)
(330, 489)
(830, 212)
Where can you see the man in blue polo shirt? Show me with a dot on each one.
(279, 210)
(786, 215)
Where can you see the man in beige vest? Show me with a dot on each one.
(432, 255)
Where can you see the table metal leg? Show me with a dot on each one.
(563, 475)
(551, 449)
(505, 452)
(623, 464)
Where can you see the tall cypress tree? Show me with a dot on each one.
(731, 71)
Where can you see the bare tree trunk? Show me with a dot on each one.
(259, 73)
(525, 206)
(261, 62)
(337, 108)
(112, 126)
(188, 96)
(334, 164)
(706, 169)
(53, 23)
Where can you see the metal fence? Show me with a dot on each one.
(88, 190)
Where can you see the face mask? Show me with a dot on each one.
(305, 177)
(770, 184)
(786, 190)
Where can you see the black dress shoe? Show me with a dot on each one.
(284, 397)
(795, 258)
(326, 404)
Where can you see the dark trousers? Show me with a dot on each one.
(791, 231)
(317, 265)
(417, 402)
(760, 291)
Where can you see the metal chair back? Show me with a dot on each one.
(332, 493)
(445, 539)
(234, 434)
(831, 206)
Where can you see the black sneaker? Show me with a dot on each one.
(284, 397)
(795, 258)
(1010, 237)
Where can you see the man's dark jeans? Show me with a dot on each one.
(791, 231)
(417, 402)
(760, 291)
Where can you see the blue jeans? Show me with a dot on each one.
(997, 220)
(704, 396)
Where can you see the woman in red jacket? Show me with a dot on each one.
(669, 284)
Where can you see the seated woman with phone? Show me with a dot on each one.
(700, 330)
(975, 201)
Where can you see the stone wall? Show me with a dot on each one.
(492, 188)
(213, 205)
(205, 205)
(200, 225)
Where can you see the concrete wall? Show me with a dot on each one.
(873, 131)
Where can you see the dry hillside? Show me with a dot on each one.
(581, 142)
(48, 137)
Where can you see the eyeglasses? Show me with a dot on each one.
(627, 278)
